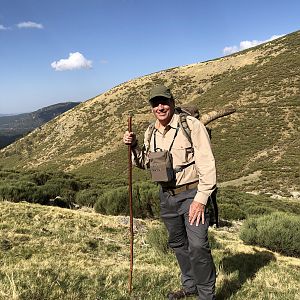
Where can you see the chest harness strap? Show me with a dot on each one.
(177, 169)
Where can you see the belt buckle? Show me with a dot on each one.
(180, 189)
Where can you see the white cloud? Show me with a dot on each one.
(248, 44)
(30, 24)
(75, 61)
(230, 49)
(3, 27)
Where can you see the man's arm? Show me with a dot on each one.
(139, 156)
(206, 169)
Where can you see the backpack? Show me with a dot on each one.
(183, 113)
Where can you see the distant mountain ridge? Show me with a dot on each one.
(13, 127)
(5, 115)
(259, 144)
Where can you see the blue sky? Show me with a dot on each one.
(55, 51)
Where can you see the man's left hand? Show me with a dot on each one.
(196, 213)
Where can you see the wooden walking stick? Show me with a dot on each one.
(130, 206)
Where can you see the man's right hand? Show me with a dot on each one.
(129, 138)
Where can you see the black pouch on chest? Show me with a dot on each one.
(161, 163)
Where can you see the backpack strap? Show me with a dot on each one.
(151, 129)
(185, 128)
(182, 124)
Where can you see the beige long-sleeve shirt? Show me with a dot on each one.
(203, 170)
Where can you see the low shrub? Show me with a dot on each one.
(114, 202)
(39, 187)
(230, 211)
(258, 210)
(236, 205)
(157, 238)
(149, 199)
(277, 231)
(144, 199)
(17, 191)
(87, 197)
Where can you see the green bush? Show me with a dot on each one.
(258, 210)
(38, 186)
(17, 191)
(277, 231)
(157, 238)
(149, 198)
(230, 212)
(114, 202)
(144, 201)
(40, 178)
(87, 197)
(235, 204)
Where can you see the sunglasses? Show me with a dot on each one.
(160, 100)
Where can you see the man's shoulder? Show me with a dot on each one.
(150, 127)
(193, 122)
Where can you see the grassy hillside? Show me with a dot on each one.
(12, 127)
(256, 148)
(51, 253)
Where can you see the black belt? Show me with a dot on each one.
(182, 188)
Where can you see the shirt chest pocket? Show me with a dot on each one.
(182, 152)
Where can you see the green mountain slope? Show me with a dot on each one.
(257, 147)
(13, 127)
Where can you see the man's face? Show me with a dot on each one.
(163, 109)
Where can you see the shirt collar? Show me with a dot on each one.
(174, 121)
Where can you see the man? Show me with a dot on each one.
(183, 198)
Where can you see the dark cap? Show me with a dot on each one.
(160, 91)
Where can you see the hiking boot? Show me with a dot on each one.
(181, 294)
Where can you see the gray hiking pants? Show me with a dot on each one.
(190, 243)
